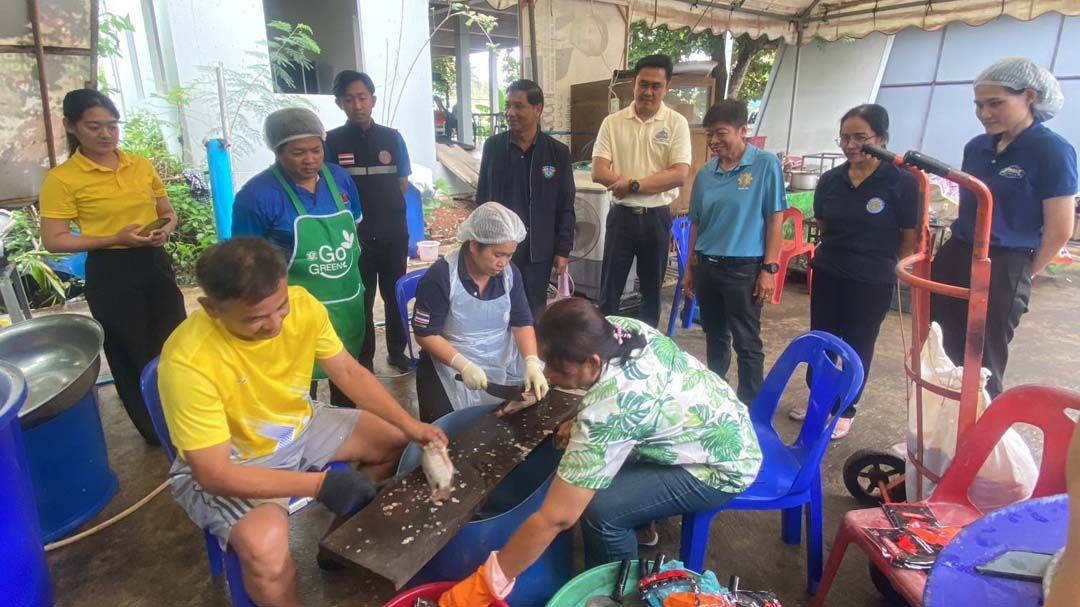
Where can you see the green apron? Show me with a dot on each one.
(326, 261)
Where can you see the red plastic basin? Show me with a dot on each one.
(430, 591)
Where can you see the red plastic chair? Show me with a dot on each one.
(1041, 406)
(790, 249)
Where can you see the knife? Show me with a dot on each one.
(501, 390)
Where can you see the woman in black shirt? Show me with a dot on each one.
(867, 212)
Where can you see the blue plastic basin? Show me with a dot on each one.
(518, 496)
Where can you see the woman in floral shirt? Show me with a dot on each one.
(657, 435)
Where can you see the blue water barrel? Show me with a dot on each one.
(24, 576)
(69, 467)
(414, 218)
(518, 496)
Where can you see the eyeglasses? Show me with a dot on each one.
(858, 139)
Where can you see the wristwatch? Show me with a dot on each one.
(635, 185)
(771, 268)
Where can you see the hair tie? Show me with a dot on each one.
(619, 334)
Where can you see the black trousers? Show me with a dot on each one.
(382, 263)
(133, 294)
(631, 235)
(537, 277)
(852, 310)
(432, 398)
(1010, 291)
(731, 315)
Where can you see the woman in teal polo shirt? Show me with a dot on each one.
(1032, 174)
(736, 215)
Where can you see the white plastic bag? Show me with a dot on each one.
(1008, 475)
(564, 287)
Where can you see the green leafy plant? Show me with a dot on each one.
(751, 62)
(143, 137)
(290, 51)
(195, 230)
(434, 197)
(194, 233)
(109, 29)
(24, 249)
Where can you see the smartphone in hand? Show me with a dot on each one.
(156, 224)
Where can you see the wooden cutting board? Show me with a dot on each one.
(401, 530)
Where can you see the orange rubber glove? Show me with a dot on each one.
(486, 587)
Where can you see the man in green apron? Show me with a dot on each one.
(310, 209)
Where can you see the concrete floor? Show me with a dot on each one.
(157, 557)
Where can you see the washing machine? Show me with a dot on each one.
(587, 257)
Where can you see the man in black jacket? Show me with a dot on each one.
(530, 172)
(378, 161)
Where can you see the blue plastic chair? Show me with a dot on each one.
(790, 475)
(220, 560)
(680, 233)
(404, 292)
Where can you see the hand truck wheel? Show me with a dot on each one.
(867, 471)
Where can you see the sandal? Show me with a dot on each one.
(842, 429)
(647, 535)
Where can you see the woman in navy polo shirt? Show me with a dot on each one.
(1031, 172)
(867, 211)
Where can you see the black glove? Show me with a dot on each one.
(345, 492)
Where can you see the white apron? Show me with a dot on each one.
(480, 331)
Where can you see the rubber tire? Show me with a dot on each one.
(891, 596)
(864, 458)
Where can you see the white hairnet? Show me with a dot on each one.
(492, 223)
(291, 123)
(1020, 73)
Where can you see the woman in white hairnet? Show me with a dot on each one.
(472, 319)
(1032, 174)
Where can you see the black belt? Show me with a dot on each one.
(638, 210)
(728, 261)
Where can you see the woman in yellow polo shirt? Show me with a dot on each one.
(124, 218)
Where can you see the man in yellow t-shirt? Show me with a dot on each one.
(234, 380)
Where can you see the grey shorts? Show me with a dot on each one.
(312, 450)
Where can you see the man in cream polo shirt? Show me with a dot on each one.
(642, 154)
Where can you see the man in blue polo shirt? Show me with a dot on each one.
(309, 209)
(736, 226)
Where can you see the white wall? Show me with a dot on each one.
(382, 24)
(832, 78)
(333, 30)
(198, 34)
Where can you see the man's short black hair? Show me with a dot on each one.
(661, 61)
(246, 268)
(727, 111)
(532, 90)
(346, 77)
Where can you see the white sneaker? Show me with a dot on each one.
(798, 413)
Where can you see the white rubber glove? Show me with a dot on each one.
(535, 381)
(473, 376)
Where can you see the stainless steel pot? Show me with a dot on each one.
(804, 180)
